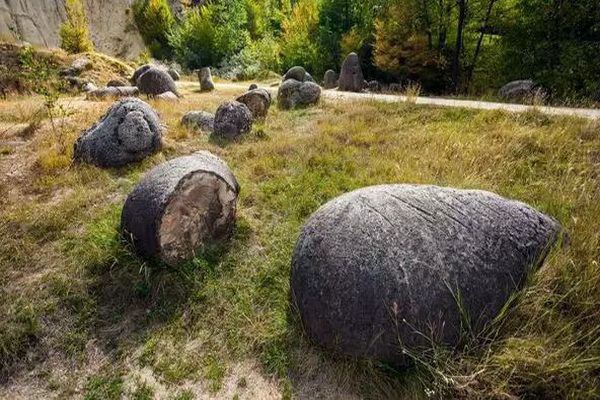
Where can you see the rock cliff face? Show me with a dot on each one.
(38, 22)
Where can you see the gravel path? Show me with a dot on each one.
(441, 102)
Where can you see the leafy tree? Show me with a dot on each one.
(555, 43)
(74, 33)
(155, 22)
(299, 42)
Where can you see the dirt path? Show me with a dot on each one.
(441, 102)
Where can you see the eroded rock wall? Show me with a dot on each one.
(38, 22)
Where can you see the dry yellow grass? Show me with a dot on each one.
(90, 319)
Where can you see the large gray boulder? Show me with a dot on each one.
(330, 79)
(129, 132)
(138, 72)
(386, 268)
(180, 207)
(112, 92)
(294, 94)
(202, 120)
(258, 102)
(206, 81)
(523, 90)
(156, 81)
(351, 76)
(232, 120)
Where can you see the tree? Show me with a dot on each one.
(299, 41)
(74, 33)
(155, 22)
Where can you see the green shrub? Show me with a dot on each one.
(255, 61)
(155, 22)
(74, 33)
(210, 34)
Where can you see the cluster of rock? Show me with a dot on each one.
(72, 73)
(298, 89)
(424, 259)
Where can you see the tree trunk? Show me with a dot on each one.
(479, 42)
(462, 16)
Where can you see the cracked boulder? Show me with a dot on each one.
(129, 132)
(232, 120)
(180, 207)
(394, 267)
(294, 94)
(258, 101)
(156, 81)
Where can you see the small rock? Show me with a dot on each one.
(112, 92)
(395, 88)
(206, 81)
(522, 91)
(258, 101)
(180, 207)
(330, 80)
(156, 81)
(232, 120)
(299, 74)
(202, 120)
(167, 96)
(293, 94)
(89, 87)
(129, 132)
(253, 86)
(374, 86)
(351, 77)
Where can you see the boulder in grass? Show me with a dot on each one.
(523, 90)
(112, 92)
(138, 72)
(206, 81)
(330, 80)
(202, 120)
(232, 120)
(180, 207)
(253, 86)
(258, 102)
(156, 81)
(293, 94)
(129, 132)
(167, 96)
(351, 76)
(387, 268)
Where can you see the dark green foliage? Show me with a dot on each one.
(557, 44)
(155, 22)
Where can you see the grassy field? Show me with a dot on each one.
(81, 316)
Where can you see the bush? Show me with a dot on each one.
(299, 43)
(254, 61)
(210, 34)
(155, 22)
(74, 33)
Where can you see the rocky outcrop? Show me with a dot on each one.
(391, 268)
(111, 23)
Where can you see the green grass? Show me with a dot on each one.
(69, 284)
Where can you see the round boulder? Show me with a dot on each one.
(232, 120)
(523, 90)
(206, 81)
(394, 267)
(330, 80)
(351, 77)
(299, 74)
(258, 102)
(202, 120)
(129, 132)
(156, 81)
(293, 94)
(253, 86)
(138, 72)
(180, 207)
